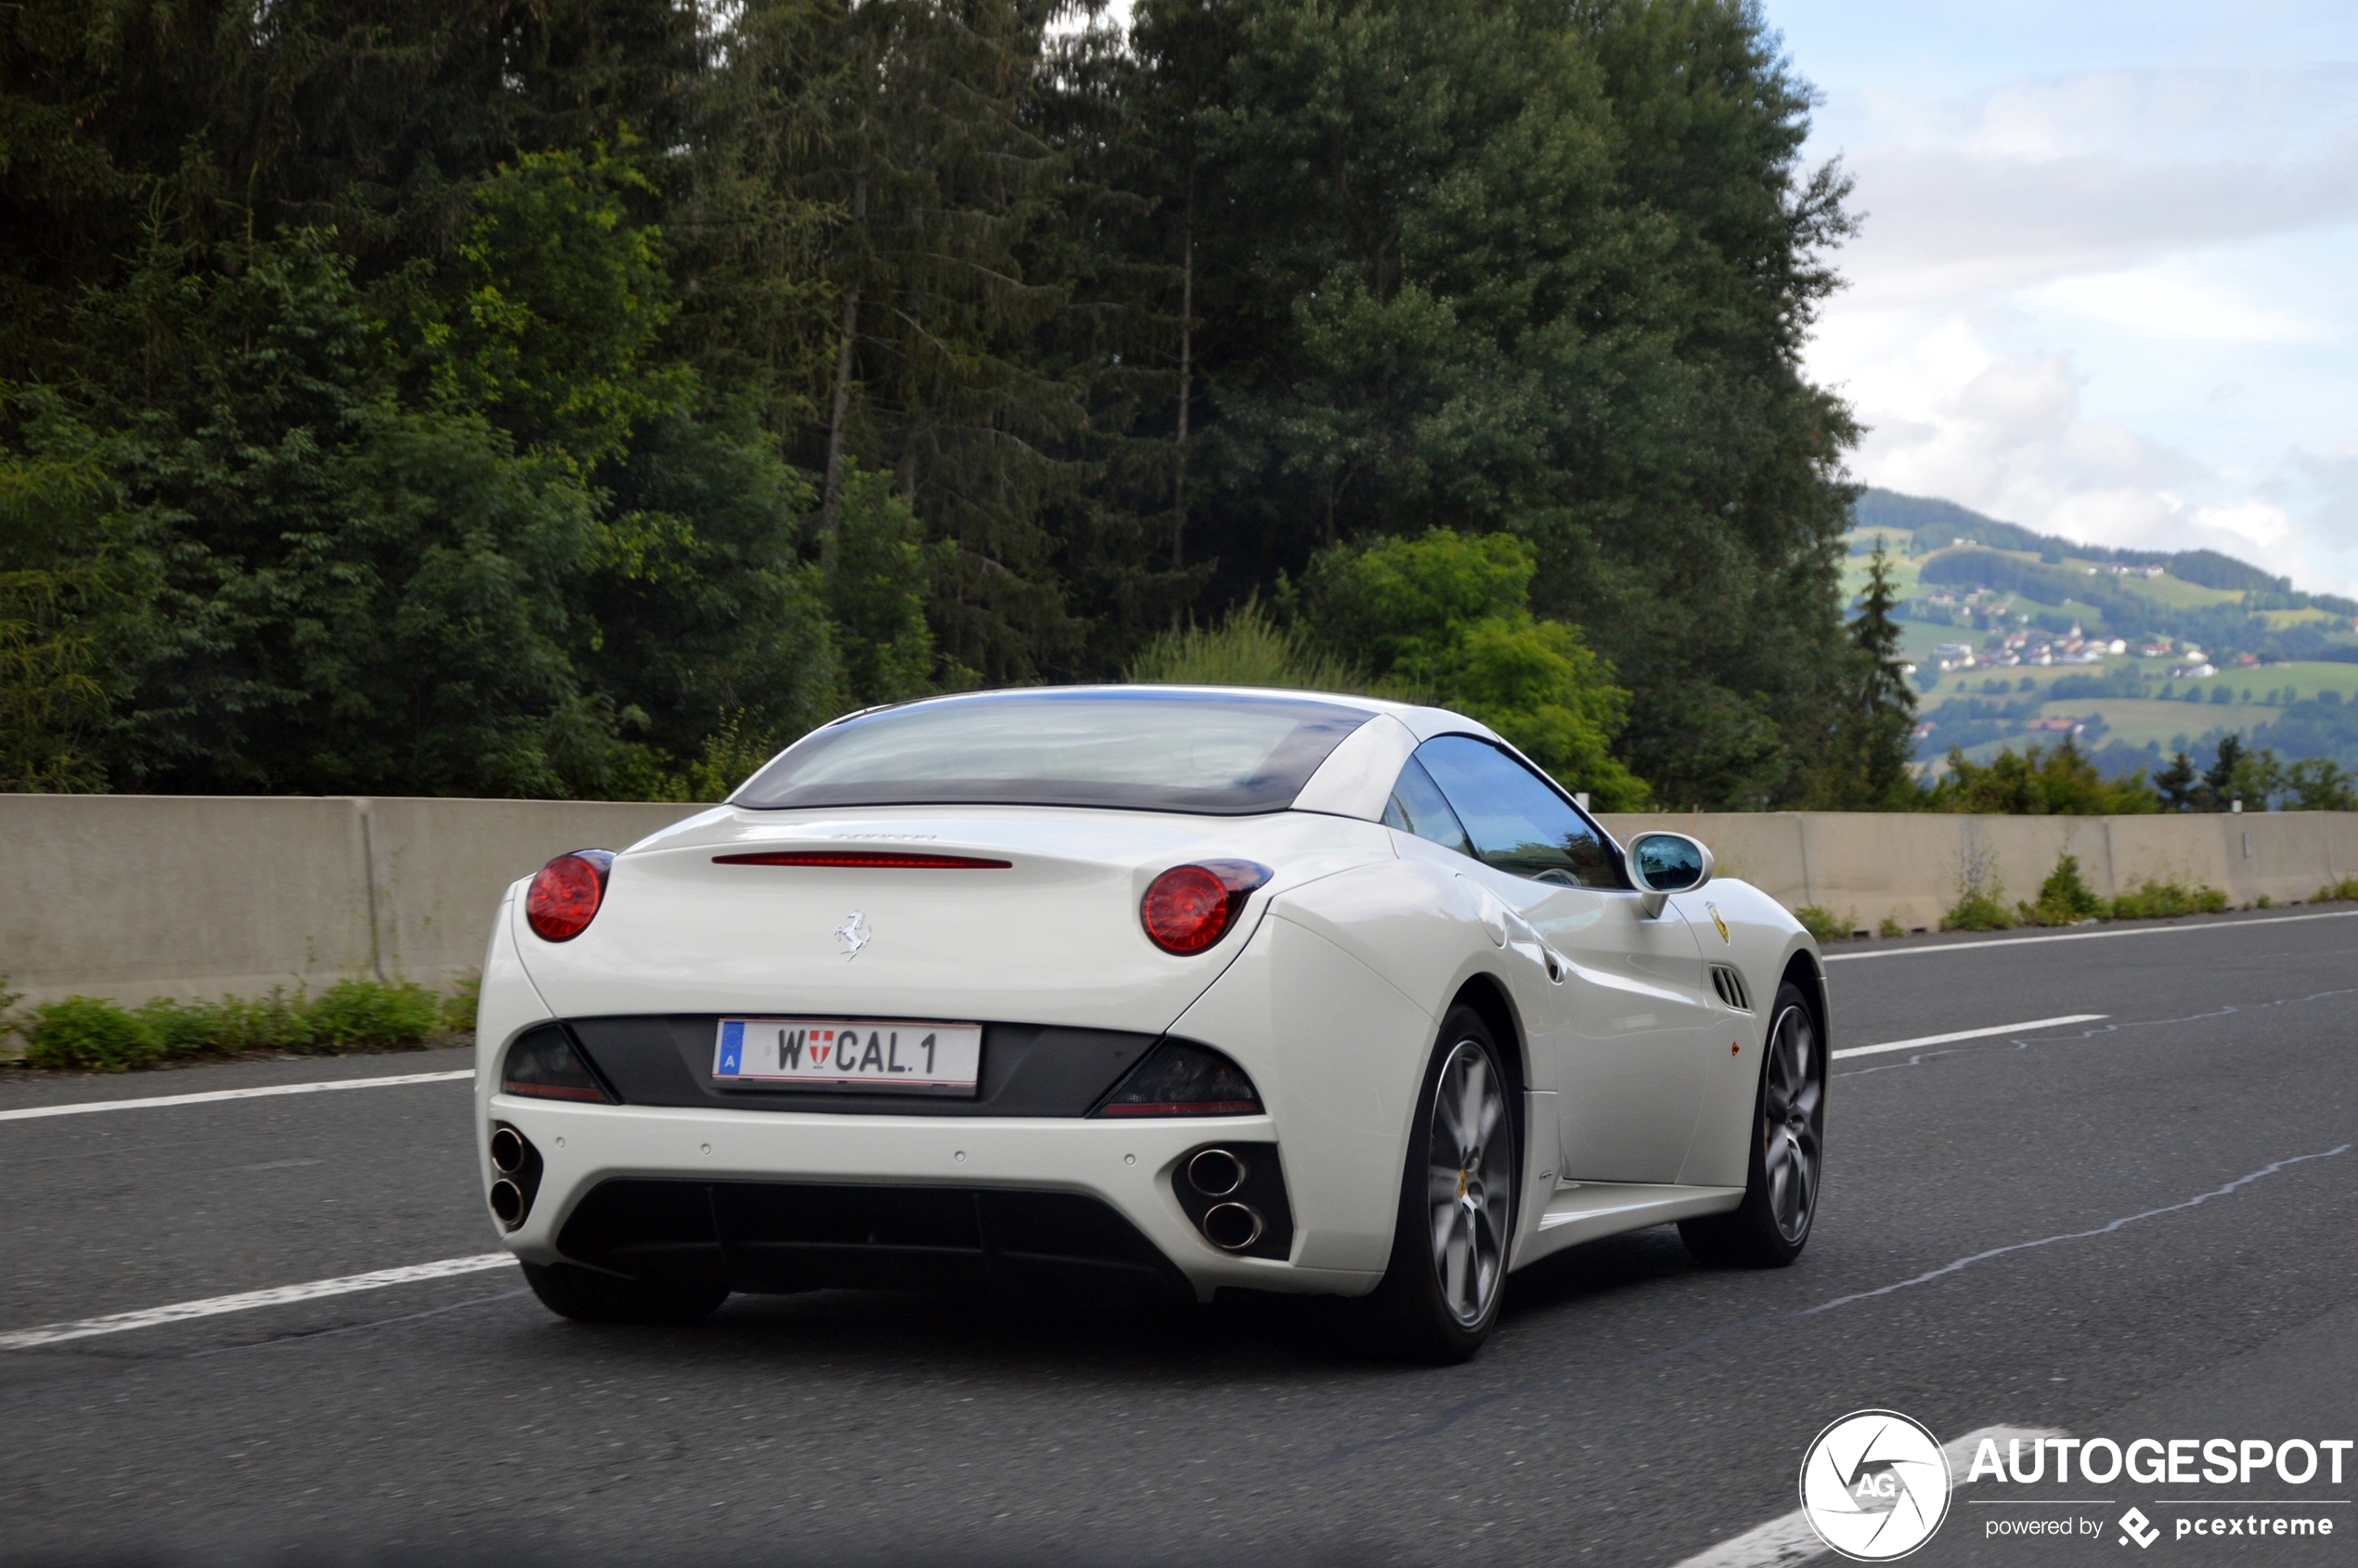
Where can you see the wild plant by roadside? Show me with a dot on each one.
(1822, 922)
(1981, 895)
(2150, 899)
(89, 1033)
(84, 1031)
(2064, 899)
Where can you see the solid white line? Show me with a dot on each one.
(85, 1107)
(213, 1306)
(1791, 1539)
(2085, 936)
(1968, 1034)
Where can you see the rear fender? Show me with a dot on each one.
(1336, 1052)
(1431, 932)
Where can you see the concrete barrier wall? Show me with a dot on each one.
(1866, 867)
(136, 896)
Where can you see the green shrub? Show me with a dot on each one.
(2164, 901)
(1980, 911)
(366, 1013)
(84, 1031)
(459, 1008)
(1821, 923)
(182, 1028)
(2336, 891)
(275, 1022)
(1889, 926)
(1248, 648)
(81, 1031)
(2064, 899)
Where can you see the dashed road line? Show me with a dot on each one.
(84, 1108)
(1969, 1034)
(246, 1300)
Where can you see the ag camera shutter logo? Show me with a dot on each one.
(1875, 1486)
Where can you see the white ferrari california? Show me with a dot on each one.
(1160, 988)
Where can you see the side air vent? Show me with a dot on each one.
(1729, 984)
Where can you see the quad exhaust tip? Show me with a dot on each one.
(508, 1151)
(1232, 1227)
(1216, 1172)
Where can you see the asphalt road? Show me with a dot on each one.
(2010, 1236)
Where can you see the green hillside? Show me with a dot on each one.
(2209, 643)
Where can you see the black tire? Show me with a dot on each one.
(587, 1296)
(1787, 1164)
(1438, 1302)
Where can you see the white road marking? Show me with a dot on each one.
(280, 1295)
(1968, 1034)
(85, 1107)
(1791, 1539)
(2085, 936)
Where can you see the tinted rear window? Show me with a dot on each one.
(1154, 750)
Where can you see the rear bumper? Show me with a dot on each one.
(1126, 1166)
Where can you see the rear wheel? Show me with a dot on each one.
(1440, 1293)
(1769, 1228)
(587, 1296)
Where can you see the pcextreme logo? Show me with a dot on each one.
(1875, 1486)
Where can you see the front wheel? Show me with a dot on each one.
(1441, 1292)
(1769, 1228)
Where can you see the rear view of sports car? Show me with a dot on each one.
(1153, 988)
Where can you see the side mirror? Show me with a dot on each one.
(1663, 864)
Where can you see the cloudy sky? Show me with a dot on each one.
(2108, 281)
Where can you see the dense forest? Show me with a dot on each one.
(580, 397)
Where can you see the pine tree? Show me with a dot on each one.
(1874, 737)
(932, 162)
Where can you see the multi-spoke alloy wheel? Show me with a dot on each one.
(1768, 1229)
(1439, 1294)
(1789, 1125)
(1466, 1192)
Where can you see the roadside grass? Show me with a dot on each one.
(2150, 899)
(90, 1033)
(2065, 899)
(1823, 923)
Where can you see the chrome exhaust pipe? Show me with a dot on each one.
(509, 1151)
(1232, 1227)
(1216, 1172)
(507, 1202)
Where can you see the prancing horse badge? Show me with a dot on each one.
(856, 933)
(1713, 910)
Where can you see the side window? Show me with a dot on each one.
(1417, 807)
(1516, 819)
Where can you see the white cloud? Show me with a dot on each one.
(2117, 304)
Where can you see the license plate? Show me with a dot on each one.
(866, 1055)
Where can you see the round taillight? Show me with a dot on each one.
(565, 894)
(1190, 907)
